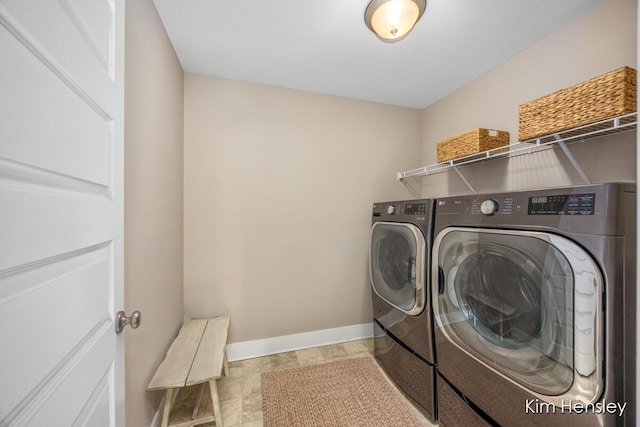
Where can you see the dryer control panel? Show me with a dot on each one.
(595, 209)
(493, 206)
(564, 204)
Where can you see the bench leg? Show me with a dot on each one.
(196, 408)
(168, 398)
(225, 363)
(213, 388)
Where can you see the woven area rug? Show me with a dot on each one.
(347, 393)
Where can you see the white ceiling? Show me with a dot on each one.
(324, 46)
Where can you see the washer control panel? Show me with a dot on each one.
(415, 209)
(418, 210)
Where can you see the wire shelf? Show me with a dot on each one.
(594, 130)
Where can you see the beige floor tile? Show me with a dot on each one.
(369, 343)
(231, 412)
(235, 371)
(252, 408)
(236, 364)
(333, 352)
(356, 347)
(252, 384)
(258, 364)
(230, 387)
(309, 356)
(282, 361)
(257, 423)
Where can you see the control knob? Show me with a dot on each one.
(391, 210)
(489, 207)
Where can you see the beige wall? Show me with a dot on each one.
(278, 192)
(599, 42)
(153, 202)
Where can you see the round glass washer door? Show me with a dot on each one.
(511, 314)
(526, 304)
(397, 265)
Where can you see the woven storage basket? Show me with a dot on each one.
(604, 97)
(471, 142)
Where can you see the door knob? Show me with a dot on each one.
(122, 320)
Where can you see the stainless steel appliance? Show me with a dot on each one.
(534, 307)
(400, 256)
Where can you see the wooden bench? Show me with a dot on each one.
(197, 356)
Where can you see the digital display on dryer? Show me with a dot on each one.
(415, 209)
(568, 204)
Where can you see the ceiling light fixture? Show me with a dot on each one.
(392, 20)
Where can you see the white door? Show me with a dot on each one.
(61, 210)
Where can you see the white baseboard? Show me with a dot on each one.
(264, 347)
(157, 417)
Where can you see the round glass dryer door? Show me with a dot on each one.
(397, 265)
(526, 304)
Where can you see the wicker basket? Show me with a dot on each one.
(604, 97)
(471, 142)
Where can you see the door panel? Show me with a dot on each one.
(86, 278)
(45, 225)
(61, 163)
(37, 118)
(77, 39)
(64, 395)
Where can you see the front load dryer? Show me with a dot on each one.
(399, 260)
(534, 307)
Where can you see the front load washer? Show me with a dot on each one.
(534, 307)
(399, 260)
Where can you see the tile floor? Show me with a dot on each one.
(241, 394)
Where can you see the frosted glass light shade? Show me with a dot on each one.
(392, 20)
